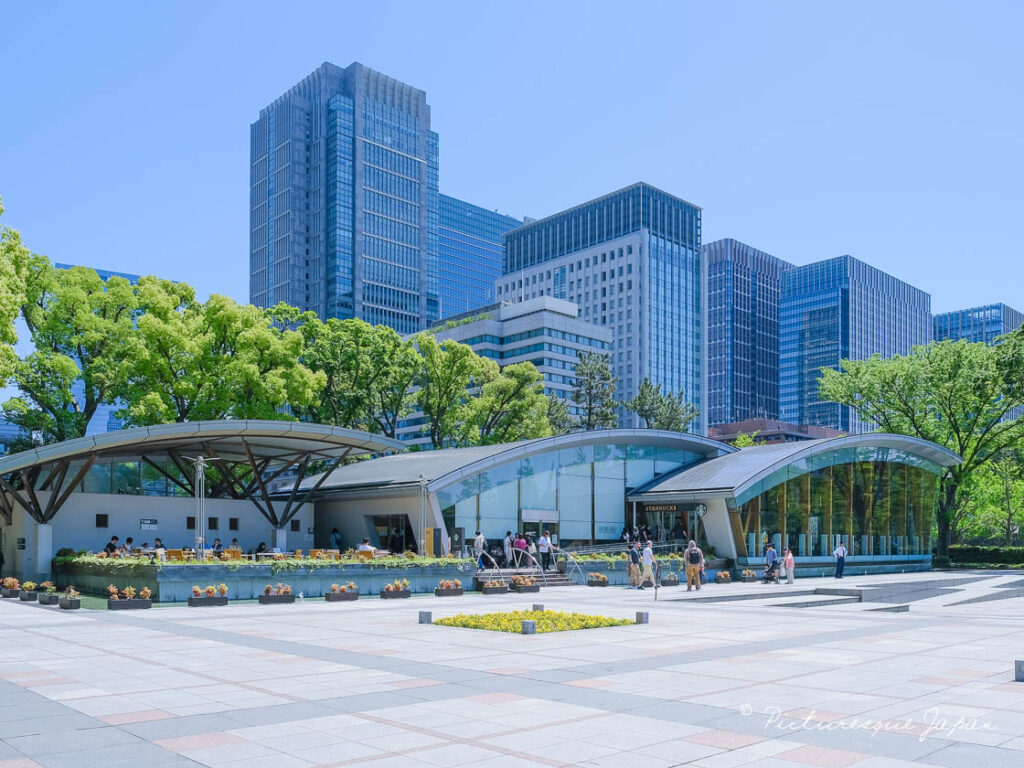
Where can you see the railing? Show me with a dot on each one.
(620, 546)
(518, 554)
(570, 564)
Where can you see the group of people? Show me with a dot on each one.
(114, 547)
(642, 562)
(772, 561)
(519, 550)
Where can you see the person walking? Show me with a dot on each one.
(518, 547)
(790, 564)
(648, 561)
(840, 555)
(544, 547)
(693, 558)
(771, 559)
(335, 539)
(506, 546)
(479, 545)
(634, 565)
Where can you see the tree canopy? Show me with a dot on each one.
(958, 394)
(14, 258)
(658, 410)
(594, 393)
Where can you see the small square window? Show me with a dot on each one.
(101, 521)
(232, 523)
(190, 523)
(213, 523)
(296, 526)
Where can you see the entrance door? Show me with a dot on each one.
(394, 533)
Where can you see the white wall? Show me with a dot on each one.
(354, 518)
(718, 528)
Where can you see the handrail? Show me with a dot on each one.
(495, 562)
(536, 565)
(619, 546)
(572, 563)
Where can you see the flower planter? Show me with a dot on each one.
(48, 598)
(670, 582)
(523, 589)
(4, 592)
(69, 603)
(276, 599)
(129, 605)
(195, 602)
(438, 592)
(395, 594)
(340, 597)
(748, 579)
(597, 582)
(28, 597)
(494, 590)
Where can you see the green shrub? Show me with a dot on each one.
(961, 553)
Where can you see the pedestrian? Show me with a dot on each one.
(479, 545)
(544, 547)
(634, 565)
(335, 540)
(648, 561)
(506, 546)
(790, 562)
(840, 555)
(771, 560)
(519, 547)
(694, 560)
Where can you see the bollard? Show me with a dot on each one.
(529, 627)
(425, 617)
(538, 607)
(1018, 668)
(641, 617)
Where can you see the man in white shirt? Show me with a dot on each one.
(506, 545)
(840, 554)
(366, 546)
(544, 548)
(479, 544)
(648, 570)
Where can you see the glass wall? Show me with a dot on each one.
(581, 491)
(875, 507)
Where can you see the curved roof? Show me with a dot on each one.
(444, 467)
(731, 475)
(231, 439)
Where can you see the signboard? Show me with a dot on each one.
(662, 508)
(19, 543)
(147, 524)
(540, 515)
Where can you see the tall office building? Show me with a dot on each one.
(977, 323)
(344, 201)
(744, 286)
(631, 260)
(835, 309)
(471, 243)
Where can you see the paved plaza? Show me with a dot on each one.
(797, 678)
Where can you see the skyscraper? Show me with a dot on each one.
(631, 260)
(835, 309)
(977, 323)
(344, 200)
(471, 242)
(744, 286)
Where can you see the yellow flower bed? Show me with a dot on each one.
(547, 621)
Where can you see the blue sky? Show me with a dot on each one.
(889, 131)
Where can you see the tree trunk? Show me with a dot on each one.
(944, 516)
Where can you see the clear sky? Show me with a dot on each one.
(891, 131)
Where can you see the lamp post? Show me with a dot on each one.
(423, 516)
(200, 489)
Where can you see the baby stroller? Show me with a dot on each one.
(771, 573)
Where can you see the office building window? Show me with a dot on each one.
(296, 526)
(101, 521)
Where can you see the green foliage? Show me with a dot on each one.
(14, 259)
(960, 553)
(659, 410)
(594, 393)
(743, 440)
(141, 566)
(448, 371)
(954, 393)
(510, 405)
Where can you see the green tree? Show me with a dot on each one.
(659, 410)
(647, 402)
(447, 372)
(81, 326)
(594, 392)
(510, 405)
(957, 394)
(560, 420)
(993, 498)
(14, 259)
(191, 360)
(743, 440)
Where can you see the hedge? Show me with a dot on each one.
(969, 554)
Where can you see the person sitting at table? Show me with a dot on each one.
(235, 545)
(112, 546)
(366, 546)
(157, 543)
(217, 546)
(261, 548)
(129, 545)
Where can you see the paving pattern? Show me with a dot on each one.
(708, 683)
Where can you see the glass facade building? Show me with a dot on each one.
(977, 323)
(344, 202)
(632, 262)
(744, 286)
(838, 309)
(471, 243)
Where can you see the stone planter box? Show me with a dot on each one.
(524, 589)
(670, 582)
(129, 605)
(70, 603)
(276, 599)
(28, 597)
(494, 590)
(597, 582)
(48, 598)
(748, 579)
(340, 597)
(4, 592)
(395, 594)
(438, 592)
(195, 602)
